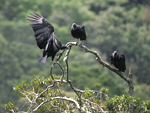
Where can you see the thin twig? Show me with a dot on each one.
(40, 105)
(56, 61)
(23, 106)
(67, 99)
(66, 61)
(93, 103)
(61, 70)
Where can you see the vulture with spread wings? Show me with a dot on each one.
(45, 37)
(118, 60)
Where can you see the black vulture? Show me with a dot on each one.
(45, 37)
(118, 60)
(78, 31)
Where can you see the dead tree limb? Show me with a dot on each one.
(130, 90)
(99, 59)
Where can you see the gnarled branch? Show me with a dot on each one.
(99, 59)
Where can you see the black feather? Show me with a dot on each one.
(118, 60)
(78, 31)
(45, 36)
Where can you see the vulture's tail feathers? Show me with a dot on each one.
(42, 59)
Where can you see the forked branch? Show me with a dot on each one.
(99, 59)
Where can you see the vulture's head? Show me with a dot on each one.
(73, 26)
(114, 54)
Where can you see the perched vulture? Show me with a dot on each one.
(45, 37)
(78, 31)
(118, 60)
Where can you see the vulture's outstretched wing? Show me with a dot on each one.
(41, 28)
(45, 37)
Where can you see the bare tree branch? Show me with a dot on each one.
(99, 59)
(40, 105)
(67, 99)
(67, 68)
(130, 90)
(56, 62)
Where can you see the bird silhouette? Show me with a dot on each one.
(45, 37)
(118, 60)
(78, 32)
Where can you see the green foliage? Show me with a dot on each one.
(121, 103)
(42, 99)
(11, 107)
(39, 91)
(104, 90)
(35, 88)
